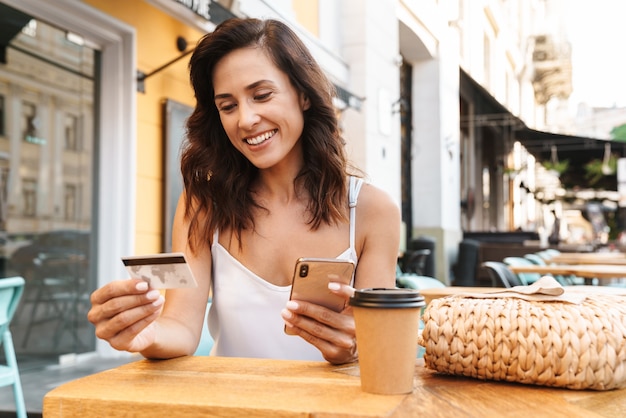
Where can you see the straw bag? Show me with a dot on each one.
(570, 345)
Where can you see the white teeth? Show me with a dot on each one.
(260, 138)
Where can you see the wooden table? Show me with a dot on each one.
(440, 292)
(589, 258)
(234, 387)
(588, 271)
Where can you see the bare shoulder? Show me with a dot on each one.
(375, 202)
(378, 237)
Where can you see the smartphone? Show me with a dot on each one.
(311, 277)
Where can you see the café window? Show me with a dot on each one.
(2, 128)
(71, 202)
(29, 194)
(30, 29)
(71, 130)
(29, 121)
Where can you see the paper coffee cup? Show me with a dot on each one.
(387, 324)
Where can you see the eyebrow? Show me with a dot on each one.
(249, 87)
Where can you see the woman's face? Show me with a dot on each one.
(261, 112)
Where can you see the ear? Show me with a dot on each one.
(305, 103)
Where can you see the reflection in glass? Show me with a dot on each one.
(47, 96)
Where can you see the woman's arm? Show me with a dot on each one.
(378, 224)
(179, 327)
(378, 241)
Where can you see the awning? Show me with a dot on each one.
(487, 111)
(11, 23)
(541, 142)
(544, 146)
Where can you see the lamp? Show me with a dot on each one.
(181, 45)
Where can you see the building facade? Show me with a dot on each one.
(431, 94)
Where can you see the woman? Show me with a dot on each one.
(266, 182)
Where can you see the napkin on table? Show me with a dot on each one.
(546, 289)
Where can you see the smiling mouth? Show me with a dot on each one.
(256, 140)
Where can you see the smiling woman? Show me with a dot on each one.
(266, 182)
(258, 105)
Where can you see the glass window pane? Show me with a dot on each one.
(47, 101)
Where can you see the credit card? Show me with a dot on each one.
(161, 271)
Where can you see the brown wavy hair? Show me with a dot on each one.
(217, 177)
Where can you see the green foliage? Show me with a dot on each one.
(619, 133)
(594, 170)
(560, 166)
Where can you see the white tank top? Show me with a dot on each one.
(244, 318)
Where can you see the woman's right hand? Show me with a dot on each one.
(124, 312)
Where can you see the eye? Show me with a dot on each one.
(262, 96)
(226, 107)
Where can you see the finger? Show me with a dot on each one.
(113, 306)
(320, 322)
(302, 311)
(118, 288)
(130, 339)
(333, 353)
(341, 289)
(129, 321)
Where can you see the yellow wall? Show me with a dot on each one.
(156, 45)
(307, 14)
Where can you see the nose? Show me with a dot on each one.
(248, 116)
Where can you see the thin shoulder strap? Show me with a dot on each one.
(353, 195)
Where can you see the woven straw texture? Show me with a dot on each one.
(543, 343)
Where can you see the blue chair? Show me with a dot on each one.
(540, 261)
(11, 290)
(415, 281)
(535, 259)
(552, 252)
(525, 278)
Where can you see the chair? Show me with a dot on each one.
(500, 274)
(464, 270)
(414, 261)
(535, 259)
(552, 252)
(424, 242)
(525, 278)
(545, 255)
(414, 281)
(540, 261)
(11, 290)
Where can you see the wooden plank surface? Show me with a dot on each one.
(614, 258)
(590, 271)
(232, 387)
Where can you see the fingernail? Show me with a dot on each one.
(142, 286)
(159, 301)
(286, 314)
(153, 294)
(334, 286)
(291, 305)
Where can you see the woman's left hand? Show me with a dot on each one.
(331, 332)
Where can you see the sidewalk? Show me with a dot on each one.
(38, 378)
